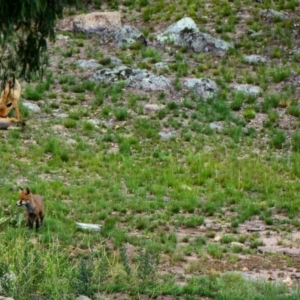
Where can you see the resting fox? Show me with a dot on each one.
(35, 211)
(9, 99)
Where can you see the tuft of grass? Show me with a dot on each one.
(121, 114)
(277, 139)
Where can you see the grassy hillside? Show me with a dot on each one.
(199, 215)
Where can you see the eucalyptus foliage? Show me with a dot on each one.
(25, 27)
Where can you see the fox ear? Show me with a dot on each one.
(27, 191)
(21, 189)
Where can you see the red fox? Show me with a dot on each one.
(35, 211)
(9, 99)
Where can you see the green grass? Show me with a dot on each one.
(172, 210)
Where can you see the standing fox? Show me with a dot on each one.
(9, 99)
(35, 211)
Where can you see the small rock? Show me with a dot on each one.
(82, 297)
(88, 64)
(115, 61)
(217, 126)
(248, 89)
(202, 86)
(31, 106)
(87, 226)
(58, 128)
(273, 14)
(71, 142)
(255, 59)
(217, 238)
(288, 281)
(62, 115)
(253, 33)
(167, 135)
(94, 121)
(153, 107)
(161, 65)
(237, 244)
(62, 37)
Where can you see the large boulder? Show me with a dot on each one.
(172, 33)
(136, 78)
(105, 24)
(127, 35)
(186, 33)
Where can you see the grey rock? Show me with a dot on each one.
(255, 59)
(149, 107)
(296, 51)
(127, 35)
(273, 14)
(71, 142)
(82, 297)
(217, 126)
(31, 106)
(88, 64)
(133, 77)
(94, 121)
(203, 42)
(172, 33)
(253, 33)
(161, 65)
(61, 115)
(148, 81)
(115, 61)
(116, 74)
(167, 135)
(202, 86)
(248, 89)
(185, 33)
(108, 125)
(62, 37)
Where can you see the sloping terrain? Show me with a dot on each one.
(197, 196)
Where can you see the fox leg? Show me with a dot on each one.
(37, 223)
(30, 222)
(17, 111)
(42, 219)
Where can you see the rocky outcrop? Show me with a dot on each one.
(136, 78)
(127, 35)
(185, 33)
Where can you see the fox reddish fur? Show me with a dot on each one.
(9, 99)
(34, 208)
